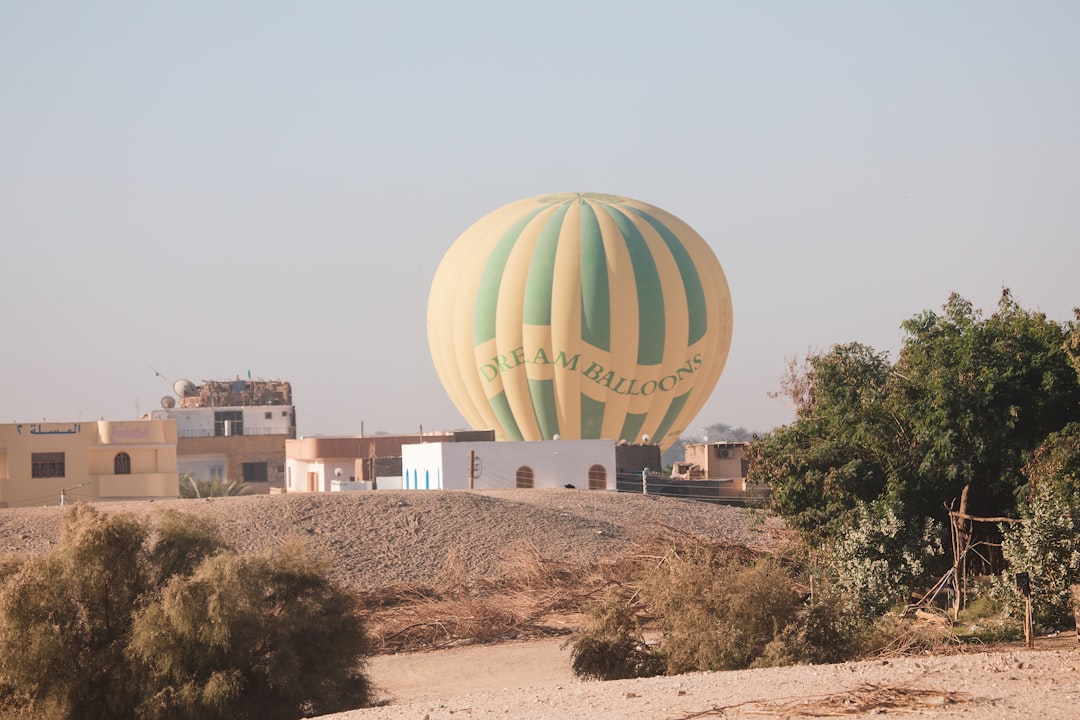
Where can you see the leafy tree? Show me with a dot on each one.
(978, 396)
(123, 617)
(837, 452)
(966, 403)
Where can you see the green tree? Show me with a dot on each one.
(966, 403)
(838, 451)
(979, 395)
(109, 625)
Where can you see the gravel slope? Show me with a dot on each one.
(387, 537)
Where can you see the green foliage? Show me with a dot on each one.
(612, 646)
(836, 453)
(126, 620)
(880, 556)
(1046, 544)
(192, 488)
(966, 403)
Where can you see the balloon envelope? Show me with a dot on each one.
(580, 315)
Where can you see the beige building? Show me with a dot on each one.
(45, 463)
(722, 462)
(232, 430)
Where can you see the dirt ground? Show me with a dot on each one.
(377, 539)
(532, 681)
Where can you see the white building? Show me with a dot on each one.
(543, 464)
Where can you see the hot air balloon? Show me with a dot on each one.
(580, 316)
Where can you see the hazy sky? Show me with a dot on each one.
(208, 188)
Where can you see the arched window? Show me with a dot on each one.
(524, 477)
(597, 478)
(122, 464)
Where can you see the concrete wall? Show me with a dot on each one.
(554, 463)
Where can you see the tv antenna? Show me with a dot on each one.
(159, 374)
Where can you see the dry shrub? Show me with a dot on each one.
(513, 601)
(443, 623)
(828, 630)
(718, 611)
(893, 636)
(612, 646)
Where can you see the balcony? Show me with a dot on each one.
(246, 432)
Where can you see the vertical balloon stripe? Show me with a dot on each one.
(632, 426)
(544, 405)
(592, 417)
(538, 285)
(669, 417)
(505, 416)
(695, 293)
(649, 291)
(595, 300)
(487, 294)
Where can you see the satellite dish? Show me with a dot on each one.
(184, 388)
(555, 436)
(168, 402)
(645, 439)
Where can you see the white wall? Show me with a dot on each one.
(199, 422)
(256, 422)
(555, 463)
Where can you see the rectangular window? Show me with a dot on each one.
(228, 422)
(254, 472)
(46, 465)
(269, 415)
(217, 472)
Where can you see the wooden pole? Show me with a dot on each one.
(1029, 624)
(472, 467)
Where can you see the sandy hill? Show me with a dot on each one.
(386, 537)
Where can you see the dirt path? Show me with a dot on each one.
(438, 676)
(531, 681)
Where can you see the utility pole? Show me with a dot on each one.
(472, 467)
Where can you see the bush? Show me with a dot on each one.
(879, 557)
(126, 620)
(723, 619)
(828, 630)
(1046, 544)
(612, 646)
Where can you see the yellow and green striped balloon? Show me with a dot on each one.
(581, 316)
